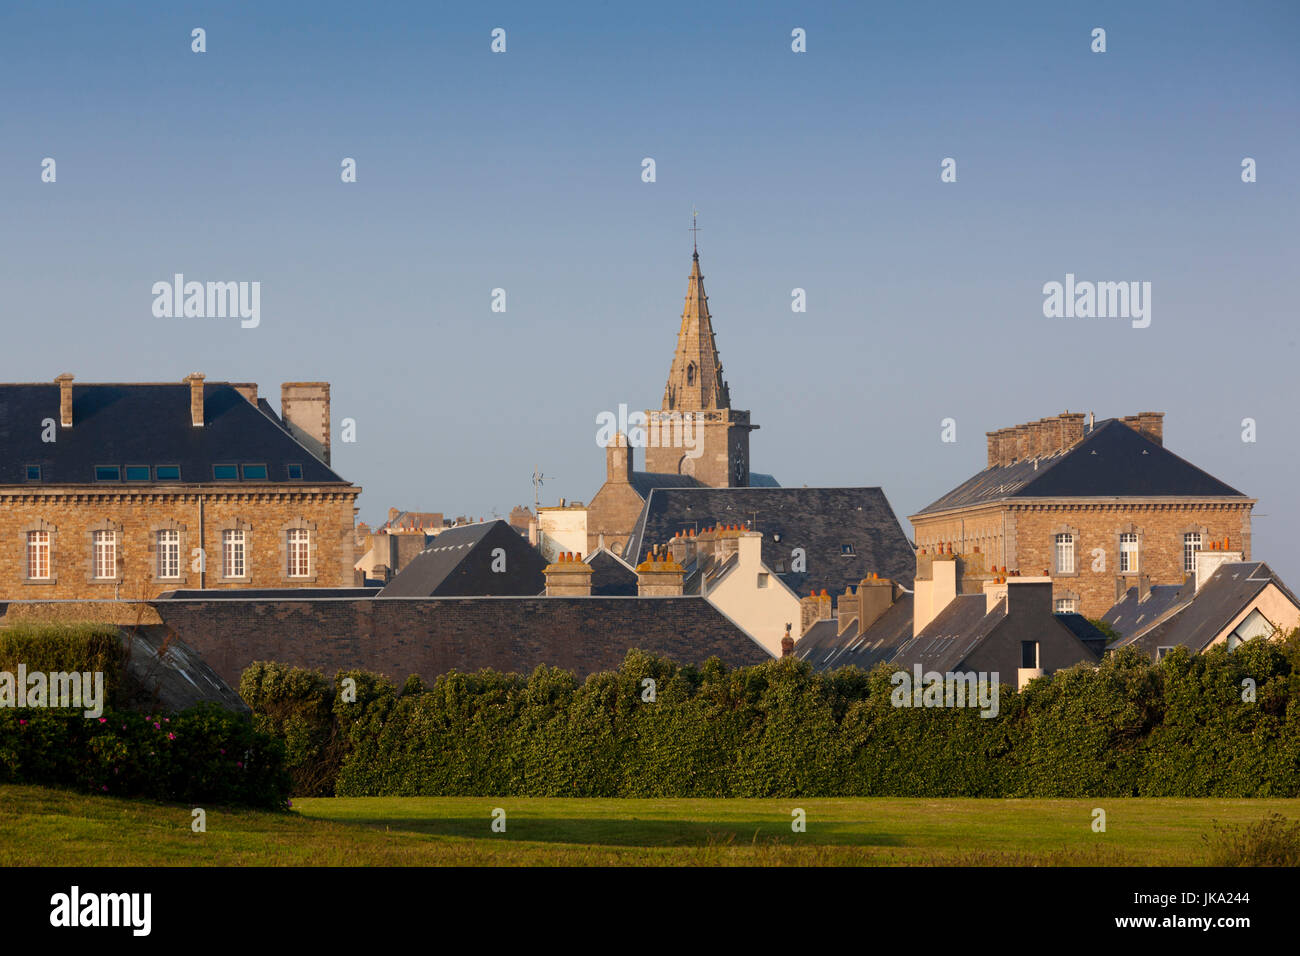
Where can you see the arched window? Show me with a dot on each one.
(690, 374)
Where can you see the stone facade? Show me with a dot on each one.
(199, 515)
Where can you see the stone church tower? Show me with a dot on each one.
(696, 397)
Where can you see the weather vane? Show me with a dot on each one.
(695, 249)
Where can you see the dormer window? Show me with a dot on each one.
(295, 472)
(254, 472)
(137, 472)
(108, 473)
(33, 472)
(225, 472)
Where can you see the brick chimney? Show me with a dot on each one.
(815, 607)
(195, 382)
(247, 389)
(659, 576)
(65, 399)
(846, 610)
(568, 576)
(683, 546)
(305, 410)
(787, 643)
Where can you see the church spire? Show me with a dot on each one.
(695, 380)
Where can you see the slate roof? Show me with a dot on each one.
(459, 562)
(1128, 615)
(1113, 460)
(1088, 633)
(646, 481)
(947, 640)
(430, 636)
(1199, 617)
(145, 425)
(819, 520)
(827, 650)
(611, 576)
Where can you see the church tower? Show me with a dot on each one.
(697, 432)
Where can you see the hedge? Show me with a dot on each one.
(1128, 727)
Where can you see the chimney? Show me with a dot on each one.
(1152, 424)
(618, 461)
(568, 576)
(995, 590)
(846, 610)
(196, 398)
(937, 593)
(247, 389)
(65, 399)
(787, 643)
(749, 545)
(659, 576)
(995, 458)
(1144, 586)
(682, 547)
(727, 541)
(305, 411)
(1207, 562)
(815, 607)
(875, 597)
(1121, 587)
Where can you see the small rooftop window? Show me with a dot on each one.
(33, 472)
(846, 549)
(137, 472)
(254, 472)
(295, 472)
(225, 472)
(168, 472)
(108, 473)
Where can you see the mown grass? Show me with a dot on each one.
(41, 826)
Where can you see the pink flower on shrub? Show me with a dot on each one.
(239, 763)
(21, 722)
(171, 736)
(157, 726)
(104, 787)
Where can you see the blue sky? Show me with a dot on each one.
(817, 170)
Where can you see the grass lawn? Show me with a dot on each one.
(55, 827)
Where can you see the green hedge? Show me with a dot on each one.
(1126, 727)
(201, 755)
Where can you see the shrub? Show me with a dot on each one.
(1273, 841)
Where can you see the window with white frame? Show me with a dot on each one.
(169, 553)
(38, 555)
(1128, 553)
(1064, 605)
(105, 548)
(299, 553)
(233, 564)
(1065, 554)
(1191, 544)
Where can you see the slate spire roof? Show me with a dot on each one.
(1112, 460)
(695, 380)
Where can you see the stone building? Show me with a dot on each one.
(130, 490)
(1085, 504)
